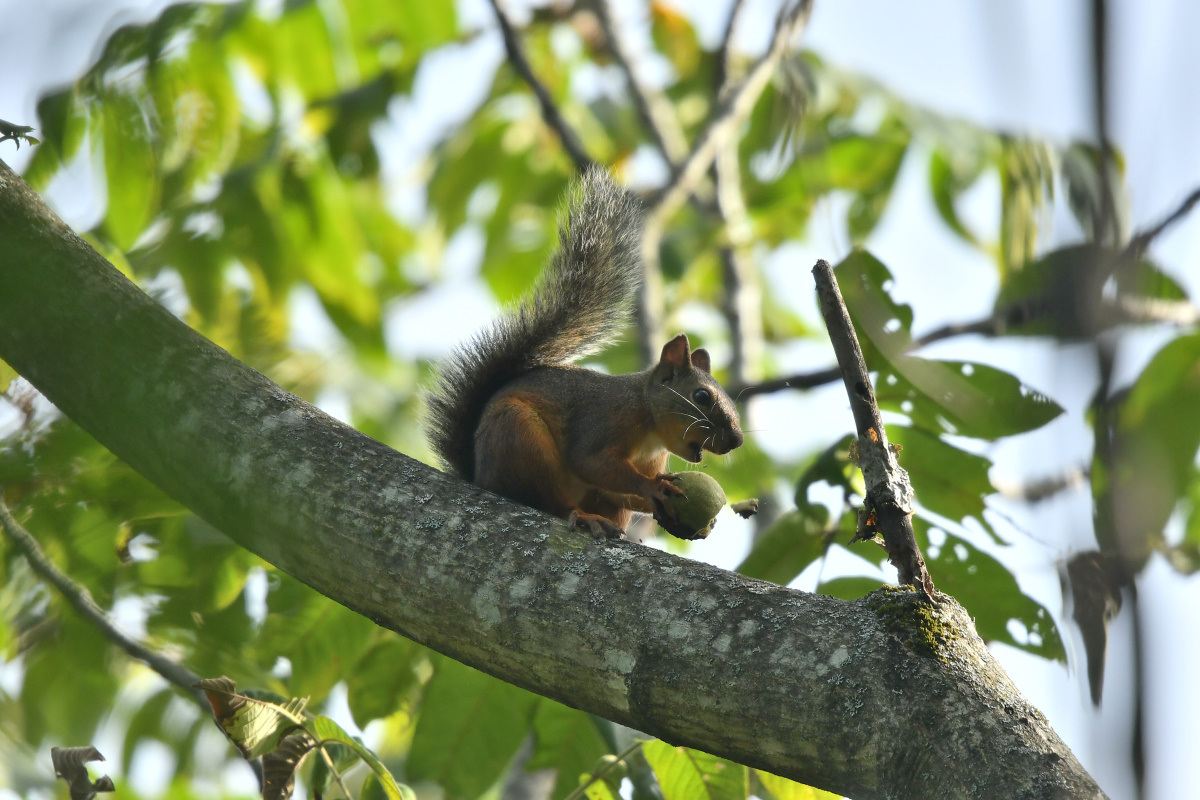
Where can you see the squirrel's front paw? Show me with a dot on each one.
(663, 488)
(600, 527)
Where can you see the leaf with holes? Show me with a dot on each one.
(961, 398)
(883, 326)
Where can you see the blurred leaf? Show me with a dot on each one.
(69, 682)
(882, 325)
(675, 38)
(686, 774)
(951, 173)
(1154, 449)
(68, 765)
(1081, 174)
(467, 717)
(834, 467)
(566, 740)
(130, 169)
(964, 399)
(790, 544)
(383, 675)
(1026, 183)
(322, 639)
(849, 588)
(145, 723)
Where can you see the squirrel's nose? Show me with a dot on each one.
(727, 440)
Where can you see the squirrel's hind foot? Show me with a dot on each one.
(600, 527)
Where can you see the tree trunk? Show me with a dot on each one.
(886, 697)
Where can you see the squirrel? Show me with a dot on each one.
(510, 412)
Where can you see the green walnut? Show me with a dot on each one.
(696, 510)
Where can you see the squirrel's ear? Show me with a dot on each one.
(676, 354)
(700, 360)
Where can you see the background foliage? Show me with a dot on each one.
(239, 149)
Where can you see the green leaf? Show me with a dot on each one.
(962, 398)
(321, 638)
(1154, 450)
(144, 724)
(990, 594)
(790, 544)
(566, 740)
(951, 173)
(130, 169)
(980, 583)
(1081, 173)
(784, 789)
(686, 774)
(7, 376)
(850, 588)
(883, 325)
(834, 467)
(325, 730)
(1026, 183)
(323, 778)
(467, 717)
(947, 481)
(384, 674)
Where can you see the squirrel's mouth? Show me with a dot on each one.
(695, 452)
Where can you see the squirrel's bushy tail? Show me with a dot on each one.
(579, 305)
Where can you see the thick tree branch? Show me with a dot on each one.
(81, 600)
(888, 696)
(550, 112)
(889, 501)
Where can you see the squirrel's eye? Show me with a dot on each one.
(702, 396)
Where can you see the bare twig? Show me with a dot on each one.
(889, 499)
(82, 601)
(743, 289)
(550, 112)
(1138, 244)
(993, 325)
(654, 108)
(724, 57)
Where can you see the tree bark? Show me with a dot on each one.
(886, 697)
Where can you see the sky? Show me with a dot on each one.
(1016, 65)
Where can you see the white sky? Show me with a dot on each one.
(1020, 65)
